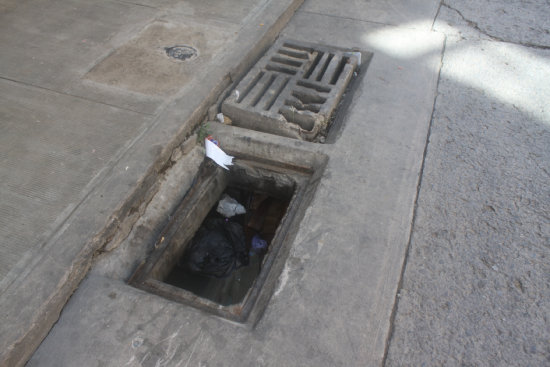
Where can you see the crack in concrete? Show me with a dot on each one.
(138, 4)
(347, 18)
(476, 26)
(437, 14)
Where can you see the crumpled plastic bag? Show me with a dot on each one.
(229, 207)
(258, 244)
(218, 248)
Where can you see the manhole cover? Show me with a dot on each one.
(293, 89)
(181, 52)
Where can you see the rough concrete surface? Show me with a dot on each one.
(231, 11)
(404, 13)
(42, 279)
(334, 298)
(53, 146)
(476, 287)
(59, 38)
(457, 191)
(143, 66)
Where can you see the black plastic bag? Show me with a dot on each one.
(218, 248)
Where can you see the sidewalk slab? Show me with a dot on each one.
(53, 148)
(52, 45)
(404, 13)
(335, 297)
(46, 276)
(143, 66)
(56, 46)
(236, 12)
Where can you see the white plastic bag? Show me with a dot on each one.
(229, 207)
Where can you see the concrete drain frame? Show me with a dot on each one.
(295, 89)
(294, 178)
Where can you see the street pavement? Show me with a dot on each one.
(426, 242)
(476, 286)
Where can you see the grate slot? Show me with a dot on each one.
(298, 47)
(307, 97)
(263, 90)
(331, 69)
(250, 86)
(276, 94)
(313, 65)
(286, 61)
(343, 61)
(324, 68)
(314, 86)
(281, 69)
(302, 107)
(293, 53)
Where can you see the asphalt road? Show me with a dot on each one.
(476, 287)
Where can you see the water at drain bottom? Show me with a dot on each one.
(262, 217)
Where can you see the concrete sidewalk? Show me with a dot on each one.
(84, 139)
(442, 164)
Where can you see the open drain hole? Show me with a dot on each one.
(181, 52)
(229, 278)
(274, 196)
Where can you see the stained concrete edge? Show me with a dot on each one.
(32, 303)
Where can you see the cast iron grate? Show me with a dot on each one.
(293, 89)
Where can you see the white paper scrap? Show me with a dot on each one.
(217, 155)
(220, 118)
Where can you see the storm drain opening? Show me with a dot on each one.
(295, 89)
(218, 251)
(224, 274)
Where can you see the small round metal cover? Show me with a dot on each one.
(181, 52)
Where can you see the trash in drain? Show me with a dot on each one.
(228, 264)
(225, 255)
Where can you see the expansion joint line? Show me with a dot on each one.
(437, 14)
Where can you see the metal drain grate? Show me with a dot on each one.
(292, 90)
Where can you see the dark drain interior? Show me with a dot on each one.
(263, 215)
(274, 195)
